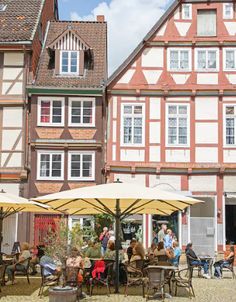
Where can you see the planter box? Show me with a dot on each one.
(67, 294)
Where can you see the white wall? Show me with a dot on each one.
(177, 156)
(153, 57)
(202, 183)
(206, 133)
(136, 178)
(206, 155)
(173, 180)
(206, 108)
(154, 135)
(155, 108)
(132, 155)
(154, 154)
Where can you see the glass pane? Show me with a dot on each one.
(230, 131)
(184, 59)
(45, 112)
(182, 109)
(212, 59)
(127, 130)
(87, 165)
(206, 22)
(138, 131)
(127, 109)
(172, 110)
(65, 61)
(138, 109)
(88, 112)
(229, 110)
(76, 112)
(75, 165)
(186, 11)
(201, 62)
(57, 112)
(230, 61)
(44, 165)
(56, 165)
(174, 59)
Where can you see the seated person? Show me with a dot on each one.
(94, 251)
(194, 260)
(34, 259)
(150, 252)
(74, 261)
(110, 253)
(177, 254)
(130, 248)
(160, 251)
(51, 268)
(224, 263)
(21, 264)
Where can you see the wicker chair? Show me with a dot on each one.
(25, 272)
(183, 278)
(71, 275)
(135, 275)
(229, 267)
(2, 275)
(105, 278)
(46, 281)
(193, 266)
(155, 281)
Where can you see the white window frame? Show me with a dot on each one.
(179, 50)
(69, 62)
(84, 125)
(50, 99)
(190, 10)
(122, 125)
(224, 58)
(188, 125)
(231, 13)
(207, 69)
(233, 146)
(92, 178)
(51, 153)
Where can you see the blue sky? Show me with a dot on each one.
(128, 21)
(83, 7)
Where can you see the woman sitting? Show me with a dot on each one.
(110, 251)
(51, 269)
(219, 265)
(94, 251)
(73, 265)
(151, 250)
(138, 254)
(177, 254)
(21, 265)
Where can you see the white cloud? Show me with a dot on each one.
(128, 23)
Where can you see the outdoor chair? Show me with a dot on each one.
(104, 279)
(192, 267)
(25, 272)
(162, 259)
(155, 281)
(47, 281)
(71, 275)
(229, 267)
(135, 275)
(2, 275)
(183, 278)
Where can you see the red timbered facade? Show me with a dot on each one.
(172, 117)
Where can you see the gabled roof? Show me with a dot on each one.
(19, 21)
(95, 36)
(141, 45)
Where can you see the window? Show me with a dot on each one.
(133, 124)
(179, 59)
(206, 22)
(207, 59)
(187, 11)
(228, 10)
(51, 112)
(81, 165)
(50, 165)
(177, 124)
(229, 58)
(82, 112)
(230, 122)
(69, 62)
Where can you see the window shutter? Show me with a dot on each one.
(81, 62)
(57, 61)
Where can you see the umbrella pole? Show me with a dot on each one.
(1, 226)
(117, 217)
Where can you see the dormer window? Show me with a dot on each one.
(69, 62)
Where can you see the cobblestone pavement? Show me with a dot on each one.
(206, 291)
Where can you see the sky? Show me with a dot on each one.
(128, 21)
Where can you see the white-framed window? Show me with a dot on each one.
(206, 22)
(228, 10)
(187, 11)
(51, 111)
(207, 59)
(82, 112)
(229, 58)
(179, 59)
(50, 165)
(230, 124)
(177, 124)
(81, 165)
(132, 124)
(69, 62)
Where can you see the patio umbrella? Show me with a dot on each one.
(120, 200)
(11, 204)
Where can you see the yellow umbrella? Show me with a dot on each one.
(119, 200)
(11, 204)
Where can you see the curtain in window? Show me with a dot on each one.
(183, 131)
(45, 112)
(172, 131)
(44, 165)
(212, 59)
(174, 59)
(201, 59)
(138, 131)
(230, 131)
(184, 59)
(206, 22)
(230, 61)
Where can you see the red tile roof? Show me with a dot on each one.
(95, 35)
(18, 22)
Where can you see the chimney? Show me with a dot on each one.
(100, 18)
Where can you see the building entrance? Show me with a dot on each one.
(230, 215)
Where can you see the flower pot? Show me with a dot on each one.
(63, 294)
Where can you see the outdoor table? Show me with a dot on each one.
(209, 259)
(165, 268)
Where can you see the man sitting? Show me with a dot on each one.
(195, 261)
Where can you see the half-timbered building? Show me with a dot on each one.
(67, 109)
(22, 28)
(172, 109)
